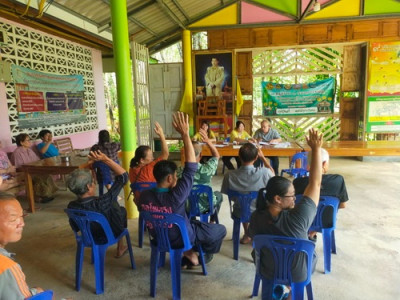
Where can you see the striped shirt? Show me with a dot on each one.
(12, 279)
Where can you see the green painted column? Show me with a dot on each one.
(127, 120)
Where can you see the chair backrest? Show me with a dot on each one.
(325, 203)
(284, 250)
(302, 156)
(161, 223)
(83, 220)
(46, 295)
(64, 145)
(243, 199)
(197, 192)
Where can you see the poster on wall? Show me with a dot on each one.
(213, 78)
(48, 99)
(383, 102)
(298, 99)
(213, 75)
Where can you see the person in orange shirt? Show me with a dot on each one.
(12, 279)
(142, 164)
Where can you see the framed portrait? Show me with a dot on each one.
(213, 75)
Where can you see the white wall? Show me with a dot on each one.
(79, 140)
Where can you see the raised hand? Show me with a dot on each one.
(260, 153)
(181, 123)
(97, 156)
(204, 136)
(314, 140)
(158, 129)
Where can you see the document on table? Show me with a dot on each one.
(282, 145)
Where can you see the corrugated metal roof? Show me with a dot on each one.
(158, 23)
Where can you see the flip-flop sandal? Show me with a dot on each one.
(245, 240)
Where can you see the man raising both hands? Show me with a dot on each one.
(171, 194)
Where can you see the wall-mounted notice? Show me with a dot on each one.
(383, 103)
(48, 99)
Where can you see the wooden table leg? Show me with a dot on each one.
(29, 192)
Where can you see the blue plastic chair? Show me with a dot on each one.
(83, 220)
(140, 187)
(327, 230)
(244, 199)
(103, 175)
(296, 172)
(283, 251)
(46, 295)
(160, 223)
(201, 190)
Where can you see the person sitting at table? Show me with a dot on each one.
(8, 171)
(268, 135)
(43, 185)
(46, 147)
(277, 213)
(239, 136)
(204, 174)
(205, 126)
(171, 194)
(142, 164)
(82, 184)
(12, 279)
(111, 150)
(247, 179)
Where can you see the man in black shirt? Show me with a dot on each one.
(82, 184)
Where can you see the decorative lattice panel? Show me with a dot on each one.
(46, 53)
(291, 66)
(298, 61)
(140, 65)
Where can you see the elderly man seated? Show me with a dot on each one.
(332, 184)
(82, 184)
(12, 279)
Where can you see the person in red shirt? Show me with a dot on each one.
(142, 164)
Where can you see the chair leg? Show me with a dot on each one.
(129, 244)
(256, 286)
(99, 258)
(267, 289)
(236, 238)
(78, 265)
(201, 258)
(175, 258)
(155, 255)
(297, 291)
(310, 295)
(333, 242)
(141, 231)
(326, 235)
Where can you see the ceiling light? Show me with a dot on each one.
(317, 6)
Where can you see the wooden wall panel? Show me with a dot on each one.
(351, 68)
(260, 37)
(235, 38)
(216, 39)
(244, 66)
(365, 30)
(284, 35)
(390, 29)
(304, 34)
(316, 34)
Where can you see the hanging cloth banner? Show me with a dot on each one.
(298, 99)
(48, 99)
